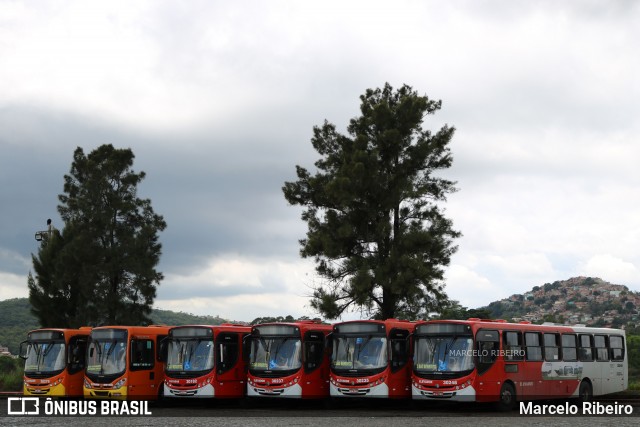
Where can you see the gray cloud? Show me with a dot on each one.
(218, 100)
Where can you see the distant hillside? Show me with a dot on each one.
(587, 300)
(168, 317)
(16, 320)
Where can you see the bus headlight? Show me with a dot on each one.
(120, 383)
(87, 384)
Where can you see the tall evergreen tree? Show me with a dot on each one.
(102, 269)
(376, 229)
(53, 301)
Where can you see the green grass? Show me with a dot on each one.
(634, 385)
(11, 372)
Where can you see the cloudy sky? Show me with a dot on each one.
(218, 100)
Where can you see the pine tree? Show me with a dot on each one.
(102, 269)
(376, 229)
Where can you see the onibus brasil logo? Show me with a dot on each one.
(37, 406)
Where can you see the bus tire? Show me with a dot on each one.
(507, 398)
(585, 392)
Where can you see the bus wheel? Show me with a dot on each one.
(586, 391)
(507, 400)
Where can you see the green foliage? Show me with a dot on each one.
(375, 227)
(633, 353)
(277, 319)
(16, 320)
(16, 312)
(101, 268)
(552, 318)
(11, 374)
(171, 318)
(455, 311)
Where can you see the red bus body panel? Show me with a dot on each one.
(390, 383)
(304, 383)
(218, 383)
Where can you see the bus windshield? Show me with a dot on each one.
(443, 354)
(364, 352)
(190, 355)
(275, 354)
(106, 356)
(45, 357)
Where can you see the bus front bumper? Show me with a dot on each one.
(466, 394)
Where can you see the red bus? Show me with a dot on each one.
(54, 362)
(289, 360)
(206, 361)
(370, 358)
(495, 361)
(123, 362)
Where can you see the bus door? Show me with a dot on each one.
(313, 358)
(76, 356)
(514, 367)
(487, 350)
(553, 367)
(617, 353)
(143, 379)
(400, 375)
(228, 365)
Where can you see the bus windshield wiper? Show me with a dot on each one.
(363, 345)
(279, 346)
(104, 359)
(48, 349)
(445, 357)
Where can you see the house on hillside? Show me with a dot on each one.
(4, 351)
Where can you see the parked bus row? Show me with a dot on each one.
(471, 361)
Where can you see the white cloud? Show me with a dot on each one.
(612, 269)
(13, 286)
(242, 308)
(468, 287)
(241, 288)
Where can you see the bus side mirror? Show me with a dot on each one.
(328, 343)
(163, 350)
(246, 348)
(24, 350)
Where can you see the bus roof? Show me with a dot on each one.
(501, 324)
(389, 324)
(215, 328)
(304, 325)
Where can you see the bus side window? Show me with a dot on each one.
(602, 353)
(616, 347)
(532, 343)
(585, 351)
(142, 354)
(551, 348)
(569, 353)
(488, 346)
(512, 342)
